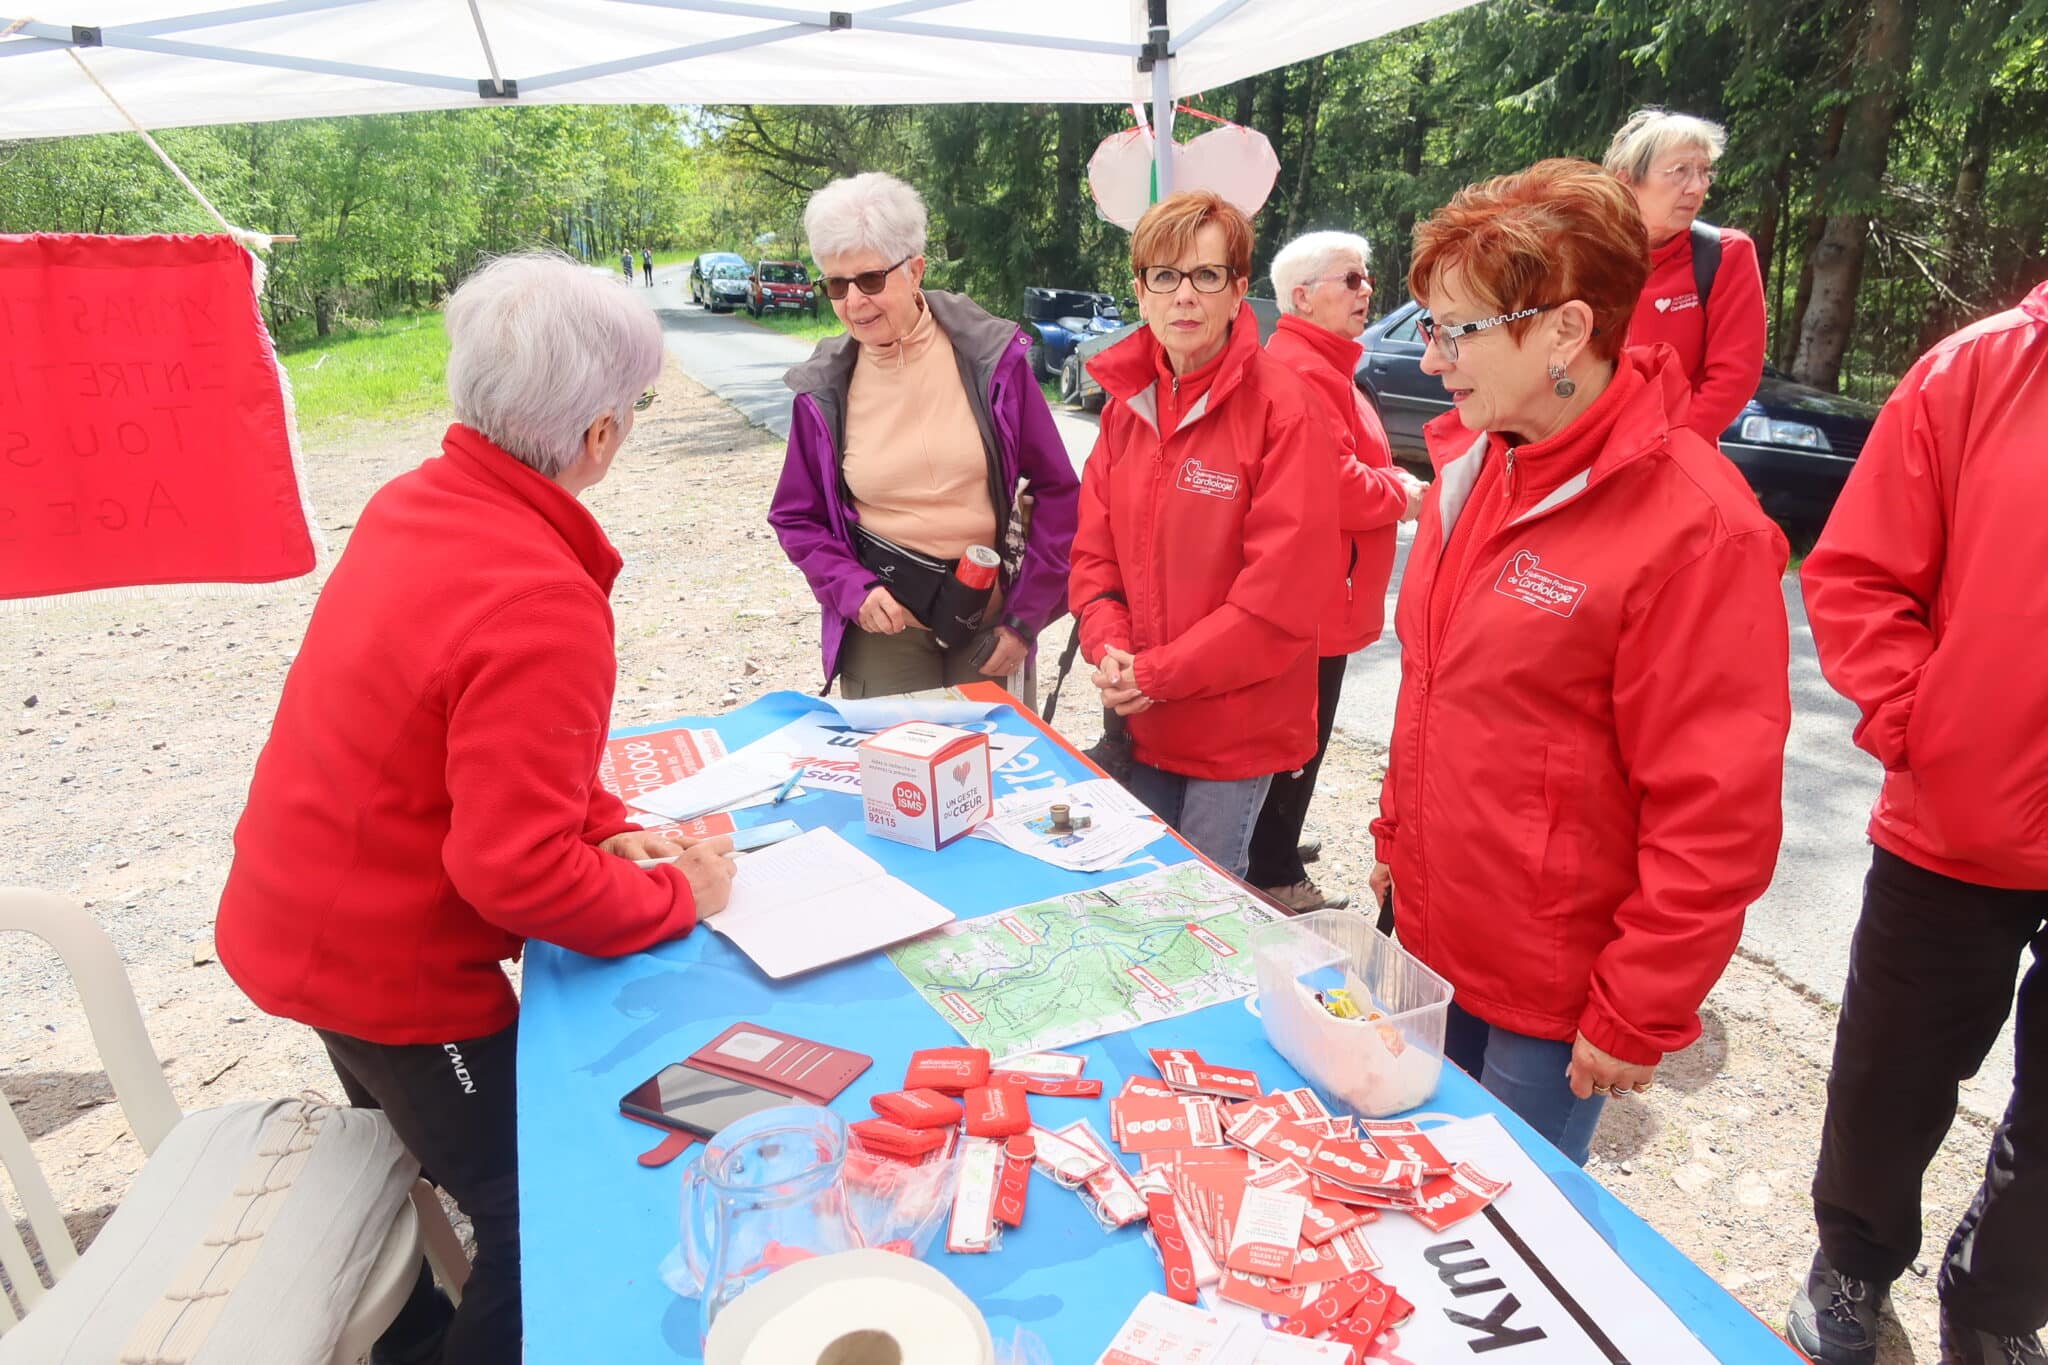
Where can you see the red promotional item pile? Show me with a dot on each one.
(948, 1090)
(1264, 1196)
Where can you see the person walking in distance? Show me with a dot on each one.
(1928, 594)
(647, 265)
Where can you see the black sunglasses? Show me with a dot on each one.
(869, 282)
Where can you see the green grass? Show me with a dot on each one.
(802, 326)
(393, 368)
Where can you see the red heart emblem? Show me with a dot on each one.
(960, 771)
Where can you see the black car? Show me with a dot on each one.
(1794, 443)
(1078, 387)
(705, 268)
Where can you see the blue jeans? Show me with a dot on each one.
(1216, 817)
(1528, 1076)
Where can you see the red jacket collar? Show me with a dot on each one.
(1130, 367)
(2035, 305)
(1341, 353)
(478, 456)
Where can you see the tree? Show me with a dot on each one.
(1851, 188)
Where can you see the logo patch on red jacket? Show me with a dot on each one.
(1196, 477)
(1525, 580)
(1677, 303)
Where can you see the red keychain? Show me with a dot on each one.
(918, 1108)
(893, 1139)
(1015, 1183)
(950, 1069)
(996, 1111)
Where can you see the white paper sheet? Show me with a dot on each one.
(814, 900)
(723, 785)
(1119, 825)
(879, 713)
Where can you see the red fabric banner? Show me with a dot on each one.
(142, 419)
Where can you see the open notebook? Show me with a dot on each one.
(814, 900)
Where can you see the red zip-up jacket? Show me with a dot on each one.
(1194, 551)
(1928, 594)
(428, 797)
(1582, 792)
(1370, 499)
(1720, 347)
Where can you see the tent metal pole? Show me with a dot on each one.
(280, 61)
(490, 58)
(1159, 48)
(528, 84)
(1207, 22)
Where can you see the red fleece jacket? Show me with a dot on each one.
(428, 797)
(1720, 347)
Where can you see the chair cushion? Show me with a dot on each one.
(247, 1237)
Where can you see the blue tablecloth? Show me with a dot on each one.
(595, 1225)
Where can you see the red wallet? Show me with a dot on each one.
(781, 1062)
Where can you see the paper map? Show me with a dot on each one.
(1037, 977)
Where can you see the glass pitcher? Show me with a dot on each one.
(767, 1192)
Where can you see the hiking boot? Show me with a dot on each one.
(1834, 1316)
(1967, 1346)
(1297, 899)
(1308, 850)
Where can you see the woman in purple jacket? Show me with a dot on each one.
(909, 439)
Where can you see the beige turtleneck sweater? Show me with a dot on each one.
(914, 458)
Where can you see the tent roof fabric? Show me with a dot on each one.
(174, 64)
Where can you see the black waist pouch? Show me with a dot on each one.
(913, 579)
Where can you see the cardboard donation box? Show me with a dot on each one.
(924, 784)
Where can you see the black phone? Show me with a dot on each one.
(682, 1097)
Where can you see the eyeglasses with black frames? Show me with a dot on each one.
(1207, 279)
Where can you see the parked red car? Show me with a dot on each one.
(780, 284)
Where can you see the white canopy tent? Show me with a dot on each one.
(173, 64)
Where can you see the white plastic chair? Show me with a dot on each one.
(152, 1112)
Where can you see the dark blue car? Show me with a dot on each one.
(1063, 318)
(1795, 444)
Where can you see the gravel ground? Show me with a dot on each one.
(130, 731)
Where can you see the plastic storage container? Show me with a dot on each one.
(1373, 1067)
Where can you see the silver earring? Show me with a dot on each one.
(1562, 387)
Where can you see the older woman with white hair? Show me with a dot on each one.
(428, 798)
(912, 436)
(1705, 295)
(1324, 287)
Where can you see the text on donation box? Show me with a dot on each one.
(924, 784)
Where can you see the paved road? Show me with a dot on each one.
(744, 364)
(1803, 923)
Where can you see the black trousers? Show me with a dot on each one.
(1276, 839)
(454, 1105)
(1926, 998)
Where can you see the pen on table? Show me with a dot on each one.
(787, 787)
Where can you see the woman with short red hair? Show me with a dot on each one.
(1207, 540)
(1582, 793)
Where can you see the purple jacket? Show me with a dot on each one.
(813, 514)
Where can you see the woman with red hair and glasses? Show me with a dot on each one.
(1582, 792)
(1207, 541)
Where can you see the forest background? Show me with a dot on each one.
(1886, 157)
